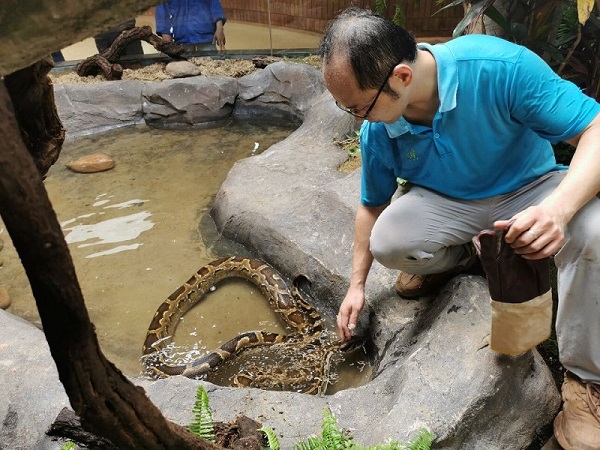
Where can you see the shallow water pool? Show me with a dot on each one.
(140, 230)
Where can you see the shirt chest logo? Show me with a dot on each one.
(411, 155)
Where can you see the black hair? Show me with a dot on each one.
(372, 45)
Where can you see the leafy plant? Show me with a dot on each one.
(69, 446)
(579, 51)
(351, 143)
(202, 424)
(398, 17)
(273, 442)
(334, 439)
(565, 33)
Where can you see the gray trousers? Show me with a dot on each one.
(423, 232)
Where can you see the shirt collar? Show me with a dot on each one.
(447, 73)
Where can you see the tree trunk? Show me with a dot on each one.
(108, 404)
(32, 97)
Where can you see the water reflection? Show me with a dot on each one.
(109, 231)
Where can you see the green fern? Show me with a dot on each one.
(399, 15)
(273, 442)
(202, 425)
(331, 436)
(380, 7)
(69, 446)
(334, 439)
(312, 443)
(422, 441)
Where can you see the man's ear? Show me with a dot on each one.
(403, 73)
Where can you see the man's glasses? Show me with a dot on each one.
(372, 105)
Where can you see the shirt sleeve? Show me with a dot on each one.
(217, 12)
(554, 108)
(163, 22)
(378, 181)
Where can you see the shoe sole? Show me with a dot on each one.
(558, 434)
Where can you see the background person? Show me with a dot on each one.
(197, 24)
(469, 124)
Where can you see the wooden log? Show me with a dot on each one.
(32, 96)
(106, 61)
(67, 425)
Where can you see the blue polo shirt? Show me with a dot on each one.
(501, 107)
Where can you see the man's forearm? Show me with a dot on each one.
(582, 182)
(362, 258)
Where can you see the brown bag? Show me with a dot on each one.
(520, 292)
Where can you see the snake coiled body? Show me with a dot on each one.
(304, 320)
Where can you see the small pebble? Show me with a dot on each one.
(96, 162)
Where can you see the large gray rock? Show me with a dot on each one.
(96, 107)
(190, 101)
(31, 394)
(281, 91)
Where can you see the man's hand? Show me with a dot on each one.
(535, 233)
(347, 317)
(167, 37)
(219, 38)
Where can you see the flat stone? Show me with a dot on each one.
(96, 162)
(182, 69)
(32, 395)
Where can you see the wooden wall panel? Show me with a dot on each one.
(313, 15)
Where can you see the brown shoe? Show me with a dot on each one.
(577, 426)
(413, 286)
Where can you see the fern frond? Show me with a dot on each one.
(380, 7)
(273, 442)
(312, 443)
(332, 437)
(399, 15)
(202, 424)
(422, 441)
(69, 446)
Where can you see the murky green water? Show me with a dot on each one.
(135, 235)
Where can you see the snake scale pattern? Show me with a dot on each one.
(287, 302)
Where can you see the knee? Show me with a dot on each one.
(392, 253)
(582, 240)
(385, 253)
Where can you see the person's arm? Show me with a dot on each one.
(362, 260)
(219, 38)
(218, 17)
(538, 231)
(163, 22)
